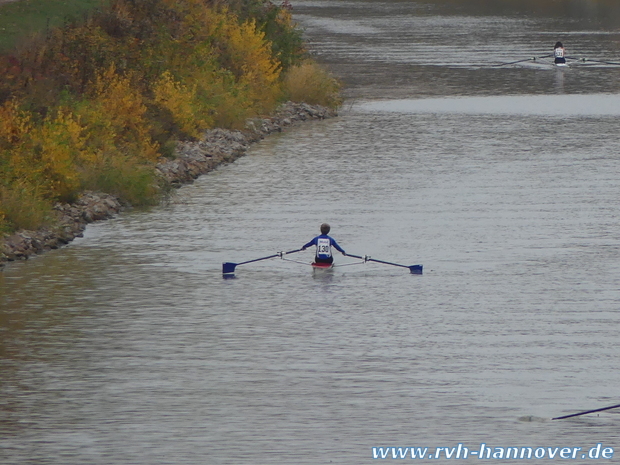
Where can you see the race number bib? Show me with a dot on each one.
(323, 247)
(559, 52)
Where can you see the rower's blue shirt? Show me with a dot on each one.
(324, 244)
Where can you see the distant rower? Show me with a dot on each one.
(559, 53)
(324, 246)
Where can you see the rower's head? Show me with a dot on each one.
(558, 45)
(325, 228)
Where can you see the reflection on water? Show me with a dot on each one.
(547, 105)
(127, 346)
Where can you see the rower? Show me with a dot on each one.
(324, 245)
(559, 53)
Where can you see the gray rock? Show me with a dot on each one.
(216, 147)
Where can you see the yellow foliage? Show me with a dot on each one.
(260, 71)
(122, 114)
(14, 124)
(182, 102)
(285, 18)
(310, 83)
(49, 158)
(123, 81)
(250, 59)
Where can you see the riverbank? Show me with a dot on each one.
(216, 147)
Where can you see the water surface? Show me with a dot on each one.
(127, 346)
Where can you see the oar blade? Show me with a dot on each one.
(416, 269)
(228, 268)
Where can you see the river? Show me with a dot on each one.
(127, 346)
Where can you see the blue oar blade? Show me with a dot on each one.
(228, 268)
(415, 269)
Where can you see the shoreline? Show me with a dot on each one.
(193, 159)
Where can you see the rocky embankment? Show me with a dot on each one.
(218, 146)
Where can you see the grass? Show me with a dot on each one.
(312, 84)
(126, 179)
(25, 208)
(23, 18)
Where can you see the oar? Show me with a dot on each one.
(229, 268)
(414, 269)
(515, 62)
(583, 413)
(521, 61)
(593, 61)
